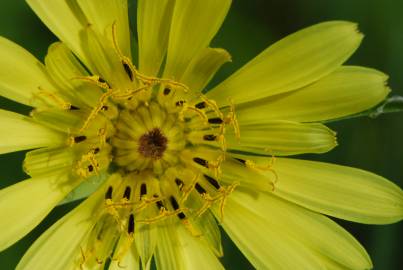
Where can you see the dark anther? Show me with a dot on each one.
(128, 70)
(167, 91)
(74, 108)
(200, 189)
(155, 196)
(79, 139)
(90, 168)
(180, 103)
(181, 215)
(101, 80)
(216, 120)
(104, 108)
(127, 192)
(143, 189)
(175, 206)
(212, 181)
(201, 162)
(209, 137)
(201, 105)
(108, 194)
(96, 150)
(160, 205)
(130, 227)
(241, 160)
(179, 183)
(174, 203)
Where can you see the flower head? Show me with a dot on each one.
(166, 161)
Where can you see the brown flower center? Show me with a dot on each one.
(153, 144)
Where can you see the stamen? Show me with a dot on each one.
(215, 120)
(79, 139)
(212, 181)
(209, 137)
(200, 189)
(167, 91)
(179, 183)
(126, 194)
(201, 105)
(128, 70)
(130, 227)
(143, 189)
(108, 194)
(241, 160)
(58, 100)
(180, 103)
(174, 203)
(160, 205)
(201, 161)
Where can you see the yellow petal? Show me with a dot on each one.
(21, 75)
(105, 60)
(59, 247)
(103, 13)
(177, 249)
(20, 132)
(25, 204)
(196, 255)
(311, 229)
(346, 91)
(64, 67)
(194, 24)
(167, 254)
(282, 138)
(153, 24)
(146, 239)
(264, 245)
(65, 19)
(339, 191)
(294, 62)
(130, 260)
(203, 67)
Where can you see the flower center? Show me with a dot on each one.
(149, 137)
(153, 144)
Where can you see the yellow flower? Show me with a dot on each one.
(173, 160)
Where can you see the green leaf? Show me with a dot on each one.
(390, 105)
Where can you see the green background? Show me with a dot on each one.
(252, 25)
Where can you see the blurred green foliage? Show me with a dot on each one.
(371, 144)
